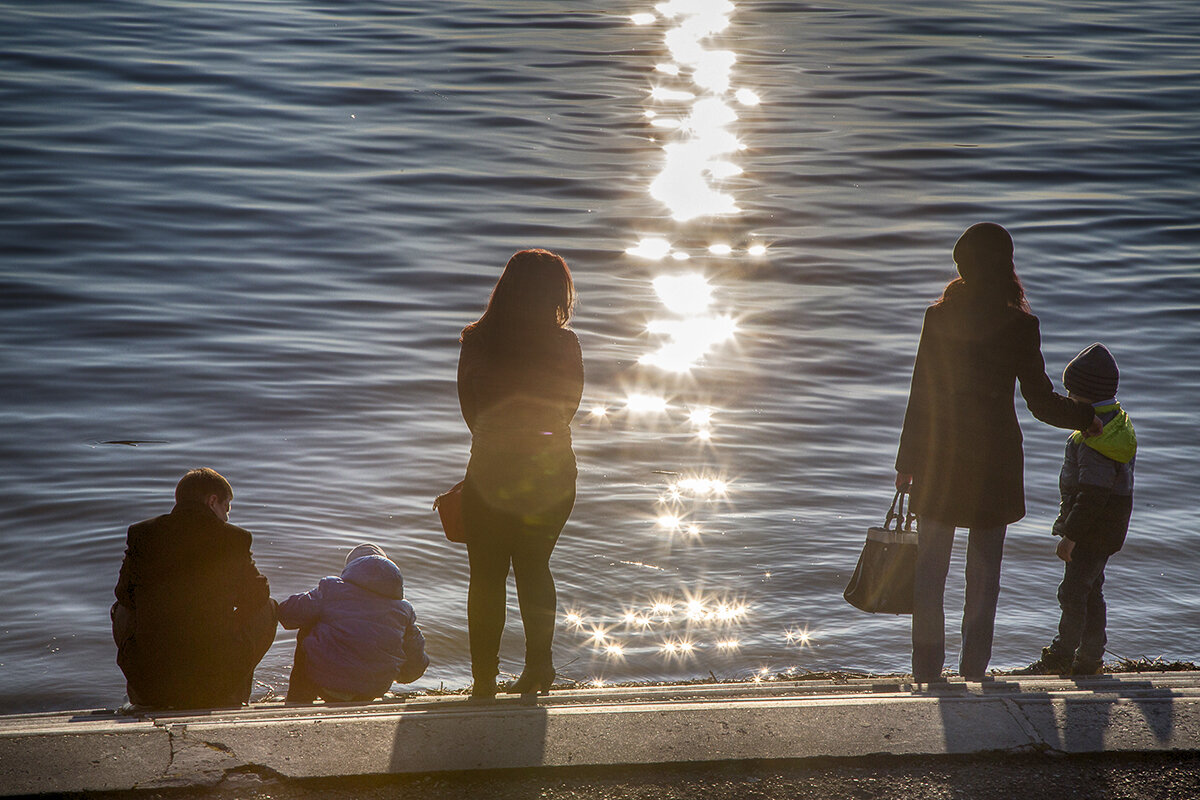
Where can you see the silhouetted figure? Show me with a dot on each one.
(193, 615)
(961, 444)
(1096, 486)
(357, 632)
(520, 379)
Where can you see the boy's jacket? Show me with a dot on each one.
(1096, 484)
(1118, 441)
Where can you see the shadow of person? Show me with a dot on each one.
(1111, 709)
(1085, 715)
(509, 733)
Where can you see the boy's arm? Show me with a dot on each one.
(1068, 487)
(1097, 476)
(415, 659)
(301, 610)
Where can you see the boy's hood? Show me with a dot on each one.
(1118, 441)
(375, 574)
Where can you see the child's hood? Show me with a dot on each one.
(1118, 441)
(375, 574)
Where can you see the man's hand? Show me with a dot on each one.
(1095, 429)
(1064, 549)
(903, 480)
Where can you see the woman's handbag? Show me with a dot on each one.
(449, 508)
(883, 580)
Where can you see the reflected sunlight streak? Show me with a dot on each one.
(645, 403)
(684, 294)
(652, 248)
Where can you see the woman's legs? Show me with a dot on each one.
(935, 540)
(489, 557)
(538, 600)
(535, 586)
(985, 549)
(497, 539)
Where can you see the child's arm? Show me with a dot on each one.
(301, 610)
(415, 659)
(1084, 516)
(1068, 486)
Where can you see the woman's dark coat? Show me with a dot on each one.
(961, 440)
(518, 397)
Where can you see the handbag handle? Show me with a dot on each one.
(893, 514)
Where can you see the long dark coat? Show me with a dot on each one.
(185, 619)
(518, 397)
(961, 440)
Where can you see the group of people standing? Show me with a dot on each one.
(194, 616)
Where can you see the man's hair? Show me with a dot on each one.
(201, 483)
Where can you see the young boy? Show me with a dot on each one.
(357, 633)
(1096, 484)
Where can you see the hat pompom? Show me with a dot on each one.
(363, 550)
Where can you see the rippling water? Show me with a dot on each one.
(245, 235)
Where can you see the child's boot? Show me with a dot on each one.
(1051, 663)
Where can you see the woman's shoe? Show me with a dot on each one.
(484, 691)
(532, 682)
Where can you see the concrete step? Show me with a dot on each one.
(103, 750)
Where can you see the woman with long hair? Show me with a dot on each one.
(960, 448)
(520, 380)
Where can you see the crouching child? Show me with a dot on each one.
(357, 633)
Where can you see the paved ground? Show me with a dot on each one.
(1010, 738)
(1091, 777)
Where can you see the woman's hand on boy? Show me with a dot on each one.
(1095, 429)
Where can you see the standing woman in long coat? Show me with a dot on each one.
(520, 379)
(961, 445)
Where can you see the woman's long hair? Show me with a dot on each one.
(987, 274)
(535, 294)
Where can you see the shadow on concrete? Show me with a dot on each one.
(1088, 718)
(1089, 722)
(470, 735)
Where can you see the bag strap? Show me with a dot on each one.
(903, 512)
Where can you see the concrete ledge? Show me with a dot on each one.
(101, 750)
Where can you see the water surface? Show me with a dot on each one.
(246, 235)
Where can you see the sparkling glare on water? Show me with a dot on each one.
(233, 259)
(696, 108)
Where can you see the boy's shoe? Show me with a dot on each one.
(1087, 667)
(1050, 663)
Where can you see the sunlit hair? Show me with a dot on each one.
(534, 293)
(200, 484)
(987, 273)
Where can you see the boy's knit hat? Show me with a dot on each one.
(1092, 374)
(366, 549)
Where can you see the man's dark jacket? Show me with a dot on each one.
(961, 440)
(187, 599)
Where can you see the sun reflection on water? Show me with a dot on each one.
(642, 403)
(677, 629)
(691, 112)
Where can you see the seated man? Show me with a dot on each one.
(193, 615)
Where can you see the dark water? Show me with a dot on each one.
(245, 235)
